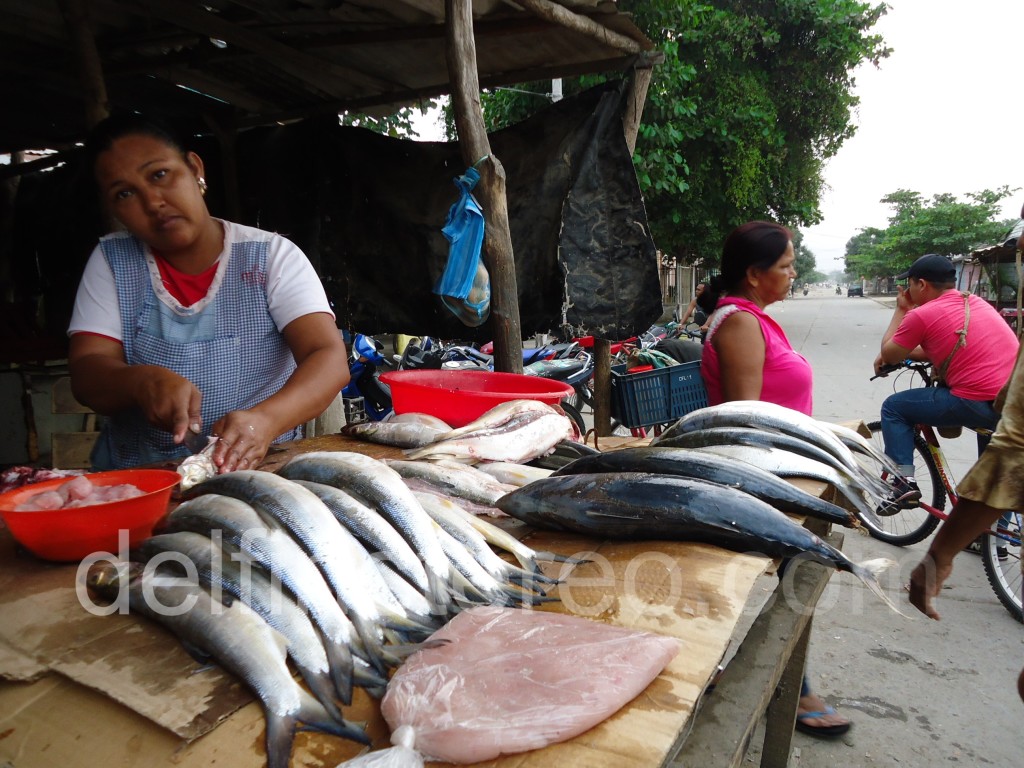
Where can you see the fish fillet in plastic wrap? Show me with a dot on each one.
(509, 680)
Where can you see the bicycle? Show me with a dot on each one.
(1001, 547)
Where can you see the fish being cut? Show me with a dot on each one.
(635, 505)
(501, 681)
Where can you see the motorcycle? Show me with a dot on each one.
(365, 398)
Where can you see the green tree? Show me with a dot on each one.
(863, 255)
(917, 226)
(751, 99)
(944, 225)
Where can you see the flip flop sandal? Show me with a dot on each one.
(820, 730)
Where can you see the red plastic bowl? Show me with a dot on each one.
(459, 397)
(71, 534)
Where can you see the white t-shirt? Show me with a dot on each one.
(293, 287)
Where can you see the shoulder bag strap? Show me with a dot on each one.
(940, 373)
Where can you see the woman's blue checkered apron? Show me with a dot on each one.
(230, 349)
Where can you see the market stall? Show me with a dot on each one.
(90, 690)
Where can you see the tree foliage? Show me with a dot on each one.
(917, 226)
(805, 264)
(751, 99)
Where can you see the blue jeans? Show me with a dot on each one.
(936, 406)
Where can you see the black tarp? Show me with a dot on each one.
(368, 211)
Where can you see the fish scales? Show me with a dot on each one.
(521, 438)
(219, 574)
(382, 487)
(242, 527)
(342, 560)
(242, 642)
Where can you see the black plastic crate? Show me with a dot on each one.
(657, 396)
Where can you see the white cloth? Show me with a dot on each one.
(293, 287)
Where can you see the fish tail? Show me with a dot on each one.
(868, 572)
(339, 660)
(322, 687)
(372, 643)
(314, 717)
(367, 678)
(553, 557)
(522, 575)
(391, 619)
(280, 734)
(439, 594)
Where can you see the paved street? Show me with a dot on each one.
(919, 692)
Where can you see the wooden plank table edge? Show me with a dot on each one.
(768, 668)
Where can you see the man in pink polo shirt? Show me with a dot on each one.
(962, 336)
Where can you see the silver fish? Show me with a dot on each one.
(499, 414)
(771, 416)
(420, 418)
(524, 436)
(498, 537)
(445, 515)
(686, 462)
(342, 559)
(221, 574)
(459, 480)
(382, 487)
(242, 527)
(242, 642)
(371, 528)
(398, 434)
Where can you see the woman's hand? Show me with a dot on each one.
(169, 401)
(244, 438)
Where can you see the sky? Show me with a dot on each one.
(943, 114)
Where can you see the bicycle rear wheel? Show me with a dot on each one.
(1001, 556)
(909, 526)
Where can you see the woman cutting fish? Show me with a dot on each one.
(187, 322)
(748, 357)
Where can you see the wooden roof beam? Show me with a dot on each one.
(559, 14)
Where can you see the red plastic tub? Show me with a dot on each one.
(458, 397)
(72, 534)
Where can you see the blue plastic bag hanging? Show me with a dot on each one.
(465, 286)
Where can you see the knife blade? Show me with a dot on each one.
(194, 441)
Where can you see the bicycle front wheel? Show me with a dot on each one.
(909, 526)
(1001, 556)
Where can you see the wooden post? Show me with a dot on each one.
(76, 18)
(638, 84)
(460, 52)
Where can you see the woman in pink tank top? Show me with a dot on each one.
(748, 357)
(746, 354)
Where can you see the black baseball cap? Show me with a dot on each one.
(932, 267)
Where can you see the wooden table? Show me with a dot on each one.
(90, 690)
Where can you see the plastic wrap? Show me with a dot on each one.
(507, 680)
